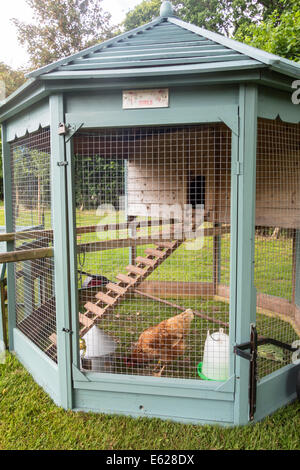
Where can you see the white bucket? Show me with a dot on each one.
(216, 356)
(98, 350)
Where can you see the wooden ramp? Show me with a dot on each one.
(126, 285)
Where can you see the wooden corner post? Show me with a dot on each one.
(9, 222)
(245, 175)
(61, 249)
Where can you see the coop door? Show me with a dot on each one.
(153, 244)
(197, 192)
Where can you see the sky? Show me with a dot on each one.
(15, 55)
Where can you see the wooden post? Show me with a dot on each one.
(9, 222)
(61, 250)
(296, 294)
(216, 260)
(244, 180)
(73, 253)
(294, 269)
(3, 327)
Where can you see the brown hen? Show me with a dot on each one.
(163, 342)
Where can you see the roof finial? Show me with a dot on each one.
(166, 9)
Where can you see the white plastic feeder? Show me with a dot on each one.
(216, 356)
(99, 348)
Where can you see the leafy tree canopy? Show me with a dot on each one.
(223, 16)
(279, 34)
(62, 28)
(12, 79)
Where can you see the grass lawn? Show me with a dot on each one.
(29, 420)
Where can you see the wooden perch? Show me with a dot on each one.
(26, 255)
(182, 308)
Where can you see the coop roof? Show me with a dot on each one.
(165, 46)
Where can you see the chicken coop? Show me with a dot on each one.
(152, 201)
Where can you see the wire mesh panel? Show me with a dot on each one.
(276, 249)
(153, 238)
(34, 279)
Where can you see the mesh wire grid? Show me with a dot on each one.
(140, 193)
(276, 246)
(34, 279)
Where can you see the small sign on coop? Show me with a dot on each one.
(142, 99)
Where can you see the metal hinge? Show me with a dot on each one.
(66, 330)
(239, 168)
(62, 164)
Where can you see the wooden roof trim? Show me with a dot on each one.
(152, 71)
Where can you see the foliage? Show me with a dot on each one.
(32, 177)
(62, 28)
(223, 16)
(98, 181)
(12, 79)
(279, 34)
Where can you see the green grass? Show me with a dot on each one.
(29, 420)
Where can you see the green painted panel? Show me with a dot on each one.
(44, 370)
(159, 386)
(168, 117)
(276, 390)
(29, 121)
(142, 62)
(126, 46)
(132, 50)
(271, 105)
(156, 71)
(190, 410)
(161, 54)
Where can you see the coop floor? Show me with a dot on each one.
(133, 316)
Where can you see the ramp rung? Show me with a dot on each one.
(156, 253)
(146, 261)
(94, 309)
(169, 245)
(85, 321)
(135, 270)
(53, 339)
(115, 288)
(105, 298)
(126, 279)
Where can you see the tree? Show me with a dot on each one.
(12, 79)
(62, 28)
(222, 16)
(279, 34)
